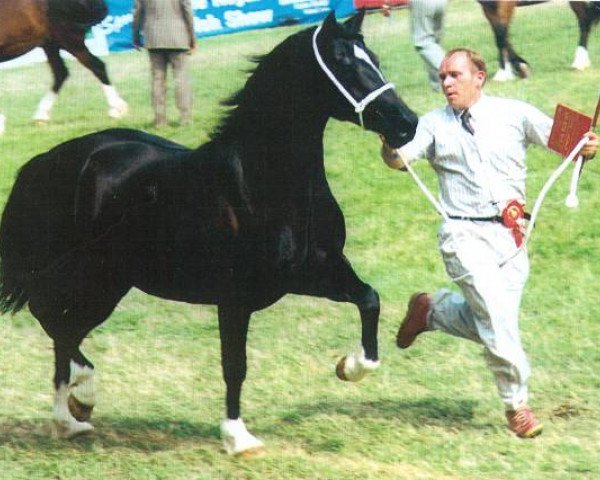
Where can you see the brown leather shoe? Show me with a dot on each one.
(522, 421)
(415, 321)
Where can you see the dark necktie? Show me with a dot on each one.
(465, 120)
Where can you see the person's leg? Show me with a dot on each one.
(183, 89)
(427, 20)
(158, 68)
(487, 311)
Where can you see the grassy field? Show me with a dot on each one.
(428, 413)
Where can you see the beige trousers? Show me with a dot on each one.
(487, 312)
(159, 62)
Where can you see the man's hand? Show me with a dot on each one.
(391, 156)
(591, 147)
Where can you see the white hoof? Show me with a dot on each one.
(2, 124)
(118, 110)
(237, 440)
(354, 367)
(65, 429)
(504, 75)
(582, 59)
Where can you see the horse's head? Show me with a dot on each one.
(360, 92)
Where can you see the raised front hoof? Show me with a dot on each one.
(238, 442)
(119, 110)
(80, 411)
(66, 430)
(346, 369)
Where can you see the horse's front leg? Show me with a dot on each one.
(355, 366)
(331, 276)
(233, 329)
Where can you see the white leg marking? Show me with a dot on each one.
(236, 439)
(355, 366)
(582, 59)
(81, 384)
(117, 107)
(42, 114)
(2, 124)
(65, 425)
(504, 74)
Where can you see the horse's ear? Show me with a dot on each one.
(330, 21)
(354, 23)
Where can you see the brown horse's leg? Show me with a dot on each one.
(585, 19)
(74, 43)
(499, 14)
(60, 74)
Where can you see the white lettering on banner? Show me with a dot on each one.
(114, 24)
(313, 11)
(302, 4)
(312, 5)
(238, 19)
(208, 24)
(232, 3)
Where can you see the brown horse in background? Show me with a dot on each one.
(499, 14)
(56, 25)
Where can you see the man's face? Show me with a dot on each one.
(461, 81)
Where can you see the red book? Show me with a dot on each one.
(567, 130)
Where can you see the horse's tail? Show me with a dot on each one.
(84, 13)
(13, 296)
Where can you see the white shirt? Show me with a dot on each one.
(479, 173)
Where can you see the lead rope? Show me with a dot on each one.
(536, 207)
(359, 107)
(542, 195)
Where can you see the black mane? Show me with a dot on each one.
(266, 87)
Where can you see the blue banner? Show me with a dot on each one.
(216, 17)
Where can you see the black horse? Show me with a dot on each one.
(56, 25)
(500, 13)
(238, 222)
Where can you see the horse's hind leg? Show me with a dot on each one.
(60, 74)
(117, 107)
(233, 329)
(584, 21)
(68, 308)
(74, 398)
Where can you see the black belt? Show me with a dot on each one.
(496, 218)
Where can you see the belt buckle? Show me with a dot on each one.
(513, 218)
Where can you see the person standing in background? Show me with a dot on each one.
(168, 30)
(427, 24)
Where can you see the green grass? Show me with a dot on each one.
(428, 413)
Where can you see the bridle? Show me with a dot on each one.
(359, 106)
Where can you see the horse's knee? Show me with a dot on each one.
(369, 300)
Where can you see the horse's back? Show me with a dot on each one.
(48, 210)
(23, 26)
